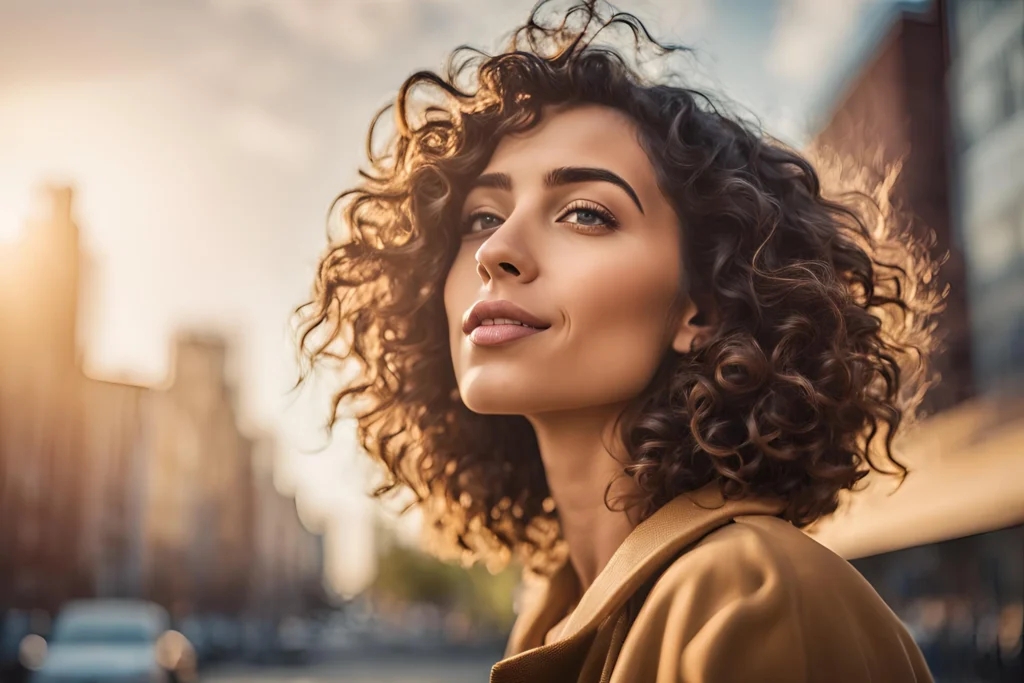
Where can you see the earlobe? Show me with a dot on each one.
(692, 329)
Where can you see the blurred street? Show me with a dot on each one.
(404, 668)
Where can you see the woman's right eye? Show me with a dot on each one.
(480, 221)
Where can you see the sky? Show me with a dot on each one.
(207, 138)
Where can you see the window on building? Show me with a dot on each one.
(1015, 72)
(993, 249)
(990, 92)
(1020, 222)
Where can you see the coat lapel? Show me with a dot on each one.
(650, 546)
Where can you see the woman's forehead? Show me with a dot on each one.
(583, 135)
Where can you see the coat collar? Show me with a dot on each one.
(647, 549)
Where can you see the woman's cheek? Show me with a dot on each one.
(617, 331)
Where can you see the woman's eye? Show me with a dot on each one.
(478, 222)
(587, 217)
(591, 218)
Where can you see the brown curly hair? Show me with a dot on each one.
(821, 307)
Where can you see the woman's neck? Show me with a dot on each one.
(575, 450)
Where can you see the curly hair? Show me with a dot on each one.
(822, 306)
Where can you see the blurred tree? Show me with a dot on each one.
(410, 576)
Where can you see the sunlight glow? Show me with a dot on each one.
(14, 211)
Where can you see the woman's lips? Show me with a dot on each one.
(492, 335)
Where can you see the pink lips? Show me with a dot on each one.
(491, 335)
(500, 312)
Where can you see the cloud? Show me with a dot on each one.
(357, 29)
(235, 70)
(258, 132)
(807, 32)
(352, 30)
(682, 18)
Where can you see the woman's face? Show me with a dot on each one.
(568, 227)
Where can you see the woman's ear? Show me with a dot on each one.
(694, 328)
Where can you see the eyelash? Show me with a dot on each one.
(610, 223)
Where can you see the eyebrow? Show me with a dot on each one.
(565, 175)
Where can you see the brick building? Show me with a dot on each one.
(889, 114)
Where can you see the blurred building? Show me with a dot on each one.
(42, 421)
(986, 81)
(288, 559)
(113, 459)
(198, 508)
(888, 114)
(943, 90)
(110, 489)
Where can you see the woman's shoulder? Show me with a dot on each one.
(763, 587)
(766, 553)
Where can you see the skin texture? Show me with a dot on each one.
(611, 294)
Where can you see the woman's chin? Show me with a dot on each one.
(488, 397)
(497, 403)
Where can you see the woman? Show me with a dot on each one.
(605, 328)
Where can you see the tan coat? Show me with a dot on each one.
(743, 596)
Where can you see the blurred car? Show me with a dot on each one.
(295, 639)
(115, 641)
(224, 636)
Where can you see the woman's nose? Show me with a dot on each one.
(505, 254)
(507, 267)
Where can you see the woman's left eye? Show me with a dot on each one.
(591, 217)
(588, 216)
